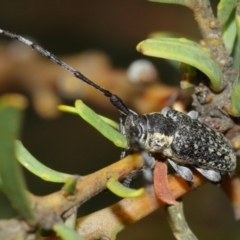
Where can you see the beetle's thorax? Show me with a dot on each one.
(153, 132)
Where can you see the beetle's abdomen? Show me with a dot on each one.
(196, 143)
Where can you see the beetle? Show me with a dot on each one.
(181, 138)
(184, 140)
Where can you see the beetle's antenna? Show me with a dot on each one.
(114, 99)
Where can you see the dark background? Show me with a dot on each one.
(69, 144)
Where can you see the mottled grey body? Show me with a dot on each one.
(183, 139)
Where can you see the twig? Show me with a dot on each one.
(177, 222)
(57, 204)
(211, 31)
(111, 220)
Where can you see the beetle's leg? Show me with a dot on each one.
(121, 125)
(165, 110)
(184, 172)
(210, 174)
(149, 163)
(193, 114)
(123, 154)
(123, 132)
(133, 174)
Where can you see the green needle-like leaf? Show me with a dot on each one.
(185, 51)
(12, 180)
(224, 10)
(70, 221)
(230, 33)
(162, 34)
(36, 167)
(186, 3)
(110, 122)
(68, 109)
(69, 186)
(237, 47)
(235, 100)
(92, 118)
(66, 233)
(178, 223)
(73, 110)
(118, 189)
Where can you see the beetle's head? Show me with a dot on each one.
(134, 127)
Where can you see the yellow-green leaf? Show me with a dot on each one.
(186, 3)
(237, 48)
(69, 186)
(12, 180)
(230, 33)
(125, 192)
(92, 118)
(66, 233)
(73, 110)
(224, 10)
(235, 100)
(186, 51)
(36, 167)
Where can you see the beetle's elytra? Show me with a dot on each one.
(181, 138)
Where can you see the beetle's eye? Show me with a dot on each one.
(139, 131)
(136, 131)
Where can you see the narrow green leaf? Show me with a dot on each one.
(118, 189)
(66, 233)
(92, 118)
(7, 210)
(235, 100)
(178, 223)
(189, 75)
(69, 186)
(224, 10)
(12, 180)
(186, 3)
(110, 122)
(70, 221)
(68, 109)
(162, 34)
(230, 33)
(235, 56)
(185, 51)
(36, 167)
(237, 50)
(73, 110)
